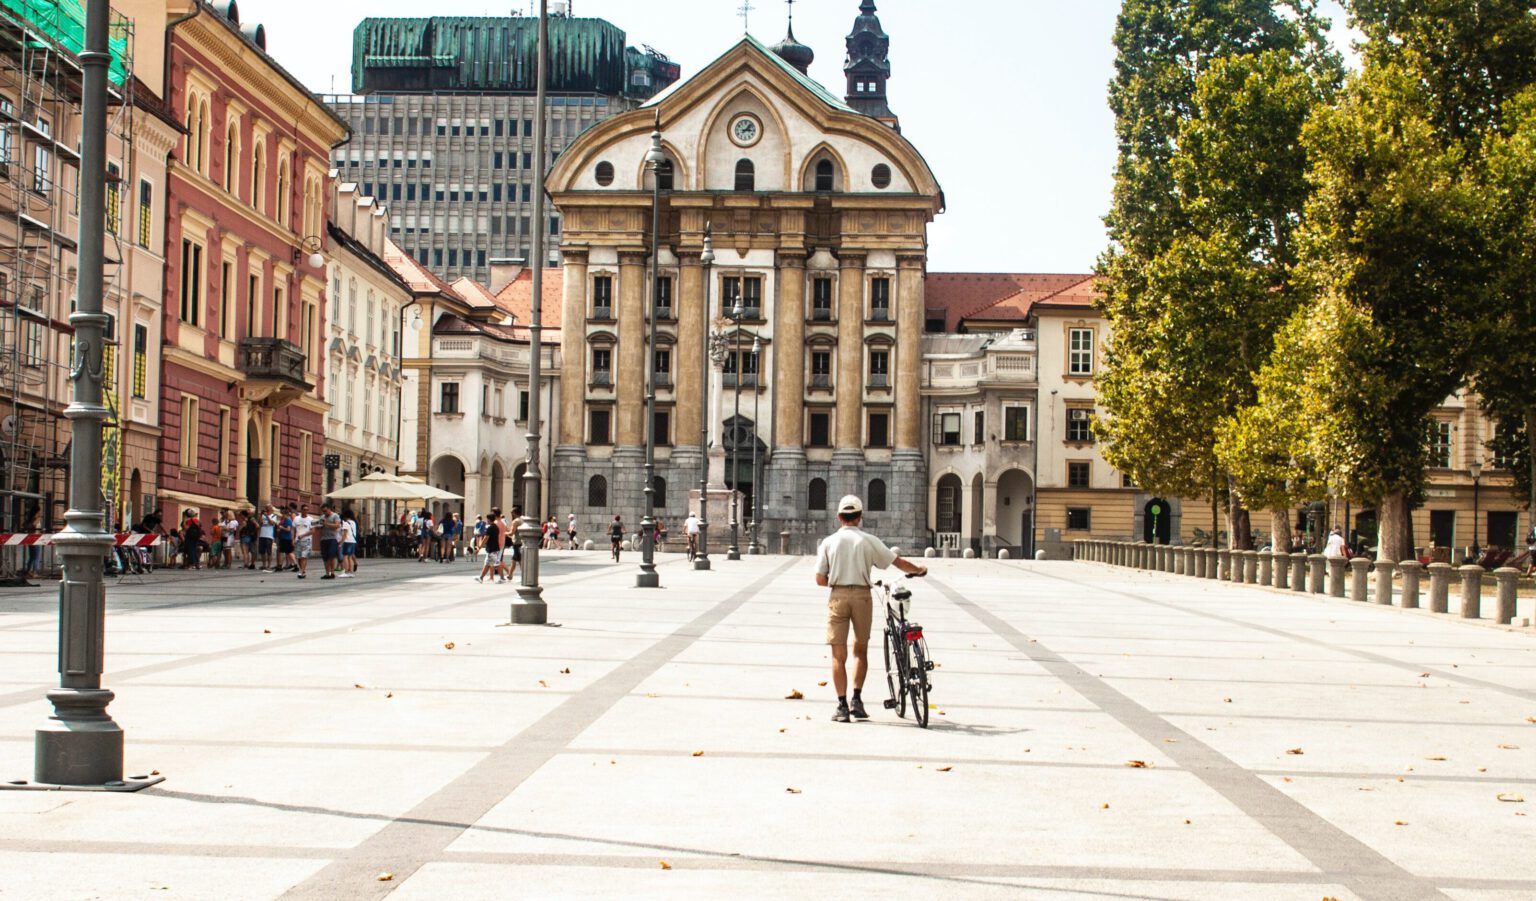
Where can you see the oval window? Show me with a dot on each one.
(604, 173)
(881, 176)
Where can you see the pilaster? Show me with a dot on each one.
(573, 347)
(850, 353)
(789, 353)
(910, 314)
(630, 374)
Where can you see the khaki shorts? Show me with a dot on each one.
(849, 605)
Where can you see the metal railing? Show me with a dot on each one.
(272, 358)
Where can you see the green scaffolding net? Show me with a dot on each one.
(63, 22)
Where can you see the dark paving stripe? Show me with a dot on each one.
(423, 833)
(1339, 856)
(36, 695)
(1415, 668)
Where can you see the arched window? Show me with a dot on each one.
(746, 176)
(231, 157)
(875, 502)
(664, 172)
(604, 173)
(817, 498)
(281, 206)
(597, 492)
(824, 175)
(259, 176)
(659, 494)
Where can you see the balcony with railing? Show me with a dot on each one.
(747, 380)
(275, 361)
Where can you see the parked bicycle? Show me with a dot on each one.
(907, 666)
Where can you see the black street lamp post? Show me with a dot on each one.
(707, 258)
(757, 393)
(647, 577)
(1476, 469)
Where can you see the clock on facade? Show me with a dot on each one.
(745, 130)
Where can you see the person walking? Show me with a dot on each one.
(329, 527)
(491, 543)
(348, 544)
(691, 529)
(191, 541)
(1336, 546)
(303, 537)
(511, 541)
(284, 530)
(425, 531)
(570, 529)
(34, 551)
(843, 562)
(231, 538)
(249, 529)
(266, 537)
(616, 535)
(479, 540)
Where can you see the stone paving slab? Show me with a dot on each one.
(486, 770)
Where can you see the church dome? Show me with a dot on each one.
(795, 53)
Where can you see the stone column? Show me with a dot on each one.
(1508, 579)
(910, 316)
(1280, 563)
(1224, 564)
(1359, 579)
(1212, 563)
(1411, 572)
(1315, 568)
(1251, 567)
(630, 371)
(789, 354)
(1471, 591)
(1298, 570)
(1384, 570)
(689, 393)
(1337, 567)
(1439, 587)
(573, 349)
(850, 354)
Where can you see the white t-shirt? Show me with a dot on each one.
(570, 524)
(302, 525)
(846, 556)
(1335, 546)
(691, 525)
(231, 530)
(348, 531)
(265, 531)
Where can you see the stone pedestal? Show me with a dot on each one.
(1337, 570)
(1266, 568)
(1316, 565)
(1384, 570)
(1212, 569)
(1439, 587)
(1359, 579)
(1224, 564)
(1251, 567)
(1298, 561)
(1412, 569)
(1508, 578)
(1471, 591)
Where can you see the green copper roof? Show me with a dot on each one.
(63, 22)
(815, 86)
(461, 53)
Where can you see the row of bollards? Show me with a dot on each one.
(1315, 574)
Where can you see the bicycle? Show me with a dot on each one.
(906, 657)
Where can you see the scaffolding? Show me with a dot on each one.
(40, 120)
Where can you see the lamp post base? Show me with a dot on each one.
(648, 579)
(80, 744)
(529, 612)
(733, 554)
(700, 564)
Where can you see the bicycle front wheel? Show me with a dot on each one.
(917, 682)
(895, 676)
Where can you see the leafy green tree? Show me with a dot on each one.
(1210, 99)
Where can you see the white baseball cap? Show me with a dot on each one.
(850, 504)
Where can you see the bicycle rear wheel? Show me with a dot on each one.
(895, 675)
(917, 682)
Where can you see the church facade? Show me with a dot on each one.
(790, 367)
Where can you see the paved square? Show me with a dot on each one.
(317, 736)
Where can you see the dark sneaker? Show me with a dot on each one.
(856, 707)
(841, 716)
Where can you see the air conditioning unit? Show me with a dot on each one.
(1079, 415)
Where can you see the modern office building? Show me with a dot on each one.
(442, 116)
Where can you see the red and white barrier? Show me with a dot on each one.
(30, 539)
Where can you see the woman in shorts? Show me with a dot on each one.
(348, 543)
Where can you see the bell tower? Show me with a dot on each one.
(868, 66)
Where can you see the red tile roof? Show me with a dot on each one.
(517, 297)
(474, 293)
(417, 276)
(1000, 296)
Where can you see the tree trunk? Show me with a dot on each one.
(1280, 526)
(1396, 541)
(1530, 450)
(1239, 527)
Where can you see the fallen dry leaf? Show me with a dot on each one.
(664, 865)
(1423, 675)
(1399, 822)
(1434, 758)
(1186, 822)
(1171, 741)
(794, 695)
(1297, 752)
(781, 730)
(385, 877)
(1509, 747)
(1136, 764)
(543, 684)
(792, 791)
(566, 671)
(1482, 769)
(154, 772)
(266, 631)
(1511, 797)
(449, 645)
(821, 685)
(1103, 806)
(698, 753)
(1530, 719)
(1289, 779)
(943, 769)
(357, 685)
(1226, 700)
(1399, 778)
(389, 694)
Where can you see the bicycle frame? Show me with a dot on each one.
(906, 656)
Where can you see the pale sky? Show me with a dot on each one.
(1005, 98)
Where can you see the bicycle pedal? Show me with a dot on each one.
(928, 665)
(890, 703)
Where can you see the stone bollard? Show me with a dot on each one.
(1508, 578)
(1199, 553)
(1298, 570)
(1212, 562)
(1411, 571)
(1166, 554)
(1359, 579)
(1143, 555)
(1384, 570)
(1191, 561)
(1251, 566)
(930, 552)
(784, 543)
(1439, 587)
(1224, 564)
(1316, 564)
(1266, 568)
(1471, 591)
(1281, 572)
(1337, 567)
(587, 545)
(1003, 554)
(1178, 560)
(969, 553)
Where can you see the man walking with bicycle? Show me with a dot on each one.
(843, 561)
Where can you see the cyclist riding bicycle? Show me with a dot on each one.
(843, 561)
